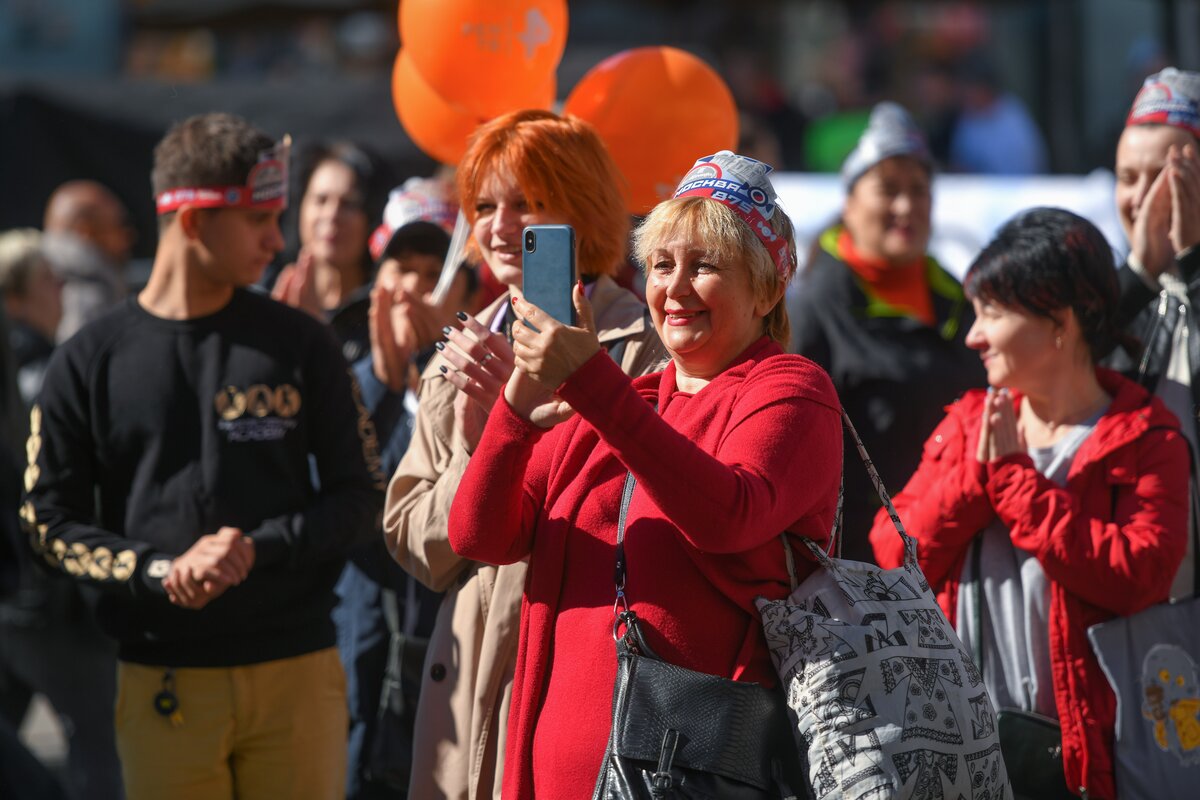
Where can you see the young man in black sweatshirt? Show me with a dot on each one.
(202, 455)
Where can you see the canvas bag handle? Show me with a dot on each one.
(823, 558)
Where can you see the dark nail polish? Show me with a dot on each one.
(446, 331)
(462, 315)
(440, 345)
(443, 369)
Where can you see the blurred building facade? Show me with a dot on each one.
(82, 77)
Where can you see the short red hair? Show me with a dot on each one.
(561, 164)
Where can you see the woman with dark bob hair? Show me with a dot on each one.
(1053, 501)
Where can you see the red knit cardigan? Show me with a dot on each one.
(720, 474)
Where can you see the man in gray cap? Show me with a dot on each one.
(881, 315)
(1158, 201)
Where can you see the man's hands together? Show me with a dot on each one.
(210, 567)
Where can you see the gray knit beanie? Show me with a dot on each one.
(890, 132)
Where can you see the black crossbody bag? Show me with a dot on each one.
(681, 734)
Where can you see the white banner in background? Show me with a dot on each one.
(967, 209)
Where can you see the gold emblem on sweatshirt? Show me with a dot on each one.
(230, 402)
(258, 412)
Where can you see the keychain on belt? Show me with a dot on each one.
(166, 702)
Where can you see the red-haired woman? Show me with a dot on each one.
(525, 168)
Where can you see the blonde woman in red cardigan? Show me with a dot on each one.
(731, 444)
(1053, 502)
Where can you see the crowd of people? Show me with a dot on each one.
(347, 526)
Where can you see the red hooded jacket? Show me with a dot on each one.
(1109, 542)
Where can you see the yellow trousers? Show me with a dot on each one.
(265, 731)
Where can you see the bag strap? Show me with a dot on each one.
(977, 587)
(823, 557)
(622, 603)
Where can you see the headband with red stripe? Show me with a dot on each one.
(741, 183)
(266, 187)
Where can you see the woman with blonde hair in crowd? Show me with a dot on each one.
(731, 444)
(524, 168)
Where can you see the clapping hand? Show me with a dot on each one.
(1184, 176)
(400, 324)
(1168, 219)
(297, 286)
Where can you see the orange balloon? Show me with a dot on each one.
(658, 109)
(488, 57)
(434, 125)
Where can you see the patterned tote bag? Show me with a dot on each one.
(884, 699)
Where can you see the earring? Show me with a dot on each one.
(1058, 343)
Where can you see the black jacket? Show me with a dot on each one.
(894, 374)
(1149, 316)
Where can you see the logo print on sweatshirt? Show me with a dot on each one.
(257, 413)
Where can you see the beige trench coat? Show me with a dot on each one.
(462, 716)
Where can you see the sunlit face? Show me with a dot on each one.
(705, 311)
(1018, 348)
(888, 211)
(1141, 155)
(502, 213)
(416, 273)
(333, 220)
(239, 243)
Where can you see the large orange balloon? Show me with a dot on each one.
(488, 57)
(436, 126)
(658, 109)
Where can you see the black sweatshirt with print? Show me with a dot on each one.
(150, 433)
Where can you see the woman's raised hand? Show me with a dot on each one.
(482, 360)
